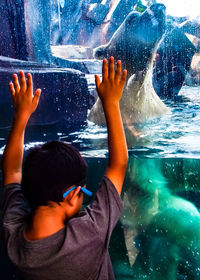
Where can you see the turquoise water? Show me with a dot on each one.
(158, 235)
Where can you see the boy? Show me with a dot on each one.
(55, 240)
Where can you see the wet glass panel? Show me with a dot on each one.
(62, 43)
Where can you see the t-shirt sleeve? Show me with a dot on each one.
(105, 210)
(15, 208)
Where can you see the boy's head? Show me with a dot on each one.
(49, 169)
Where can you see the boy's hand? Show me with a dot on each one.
(110, 92)
(111, 88)
(25, 103)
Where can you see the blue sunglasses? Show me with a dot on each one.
(84, 190)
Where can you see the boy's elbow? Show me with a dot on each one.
(10, 176)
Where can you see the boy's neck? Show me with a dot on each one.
(45, 222)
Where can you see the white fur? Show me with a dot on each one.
(139, 102)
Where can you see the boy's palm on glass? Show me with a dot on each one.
(111, 88)
(22, 94)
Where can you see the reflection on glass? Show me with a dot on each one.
(62, 42)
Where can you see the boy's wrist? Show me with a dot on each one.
(21, 118)
(110, 103)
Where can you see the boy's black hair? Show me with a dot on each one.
(49, 169)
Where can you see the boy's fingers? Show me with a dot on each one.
(22, 81)
(104, 70)
(29, 84)
(12, 90)
(36, 97)
(123, 77)
(97, 81)
(118, 71)
(16, 83)
(111, 68)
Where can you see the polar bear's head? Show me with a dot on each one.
(136, 38)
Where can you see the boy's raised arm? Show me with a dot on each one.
(110, 92)
(24, 105)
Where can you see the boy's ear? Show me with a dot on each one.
(71, 199)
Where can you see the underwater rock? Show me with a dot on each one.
(64, 99)
(134, 43)
(173, 60)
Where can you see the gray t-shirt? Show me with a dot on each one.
(78, 251)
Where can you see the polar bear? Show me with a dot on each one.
(135, 43)
(166, 226)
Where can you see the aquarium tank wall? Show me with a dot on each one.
(62, 44)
